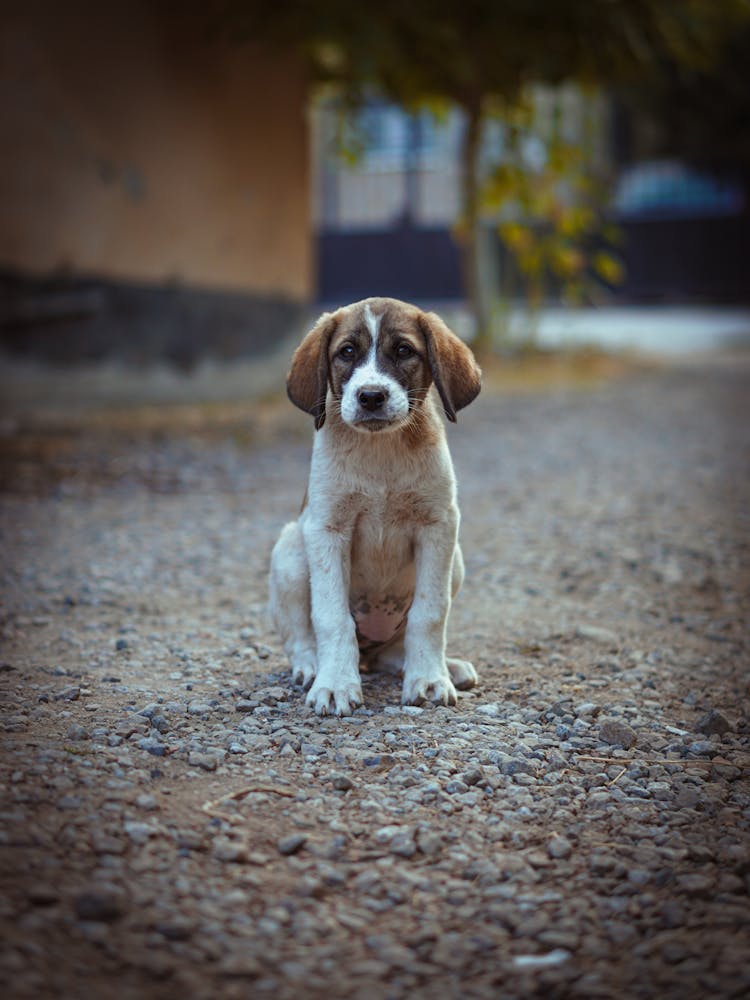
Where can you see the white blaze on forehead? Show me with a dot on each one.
(373, 322)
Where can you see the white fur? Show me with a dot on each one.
(362, 533)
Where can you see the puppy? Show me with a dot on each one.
(368, 572)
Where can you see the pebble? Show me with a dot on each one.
(618, 733)
(341, 782)
(551, 958)
(714, 722)
(595, 633)
(103, 903)
(206, 761)
(68, 694)
(291, 844)
(559, 847)
(230, 851)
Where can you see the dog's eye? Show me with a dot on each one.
(347, 352)
(404, 351)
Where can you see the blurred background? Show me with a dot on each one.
(183, 186)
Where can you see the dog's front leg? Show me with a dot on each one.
(426, 676)
(337, 688)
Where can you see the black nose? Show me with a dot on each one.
(371, 399)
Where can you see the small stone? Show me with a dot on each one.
(618, 733)
(240, 966)
(559, 847)
(230, 851)
(244, 705)
(147, 802)
(206, 761)
(403, 845)
(341, 782)
(693, 884)
(714, 722)
(428, 842)
(199, 708)
(272, 695)
(594, 633)
(557, 957)
(492, 709)
(291, 844)
(72, 693)
(78, 733)
(638, 877)
(104, 903)
(178, 929)
(43, 895)
(456, 787)
(139, 833)
(153, 746)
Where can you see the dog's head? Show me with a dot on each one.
(379, 357)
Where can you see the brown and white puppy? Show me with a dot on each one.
(368, 572)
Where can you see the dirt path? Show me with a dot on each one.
(577, 827)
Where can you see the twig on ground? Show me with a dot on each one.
(212, 809)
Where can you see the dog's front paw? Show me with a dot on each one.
(438, 689)
(463, 674)
(334, 700)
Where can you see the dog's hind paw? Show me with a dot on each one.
(304, 668)
(463, 674)
(334, 701)
(418, 690)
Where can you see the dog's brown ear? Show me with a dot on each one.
(307, 381)
(455, 373)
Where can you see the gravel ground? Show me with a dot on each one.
(175, 823)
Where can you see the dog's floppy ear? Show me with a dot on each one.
(456, 374)
(307, 381)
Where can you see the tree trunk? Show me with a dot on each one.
(475, 286)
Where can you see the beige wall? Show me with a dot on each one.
(133, 147)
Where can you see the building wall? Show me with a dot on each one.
(136, 148)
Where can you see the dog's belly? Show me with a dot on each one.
(382, 580)
(381, 621)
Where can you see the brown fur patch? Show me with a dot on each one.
(307, 381)
(456, 374)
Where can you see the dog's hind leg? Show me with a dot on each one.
(290, 603)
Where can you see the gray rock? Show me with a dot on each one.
(559, 847)
(617, 733)
(428, 841)
(199, 708)
(77, 733)
(714, 722)
(206, 761)
(341, 782)
(102, 902)
(72, 693)
(403, 844)
(139, 832)
(153, 746)
(229, 851)
(595, 633)
(291, 844)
